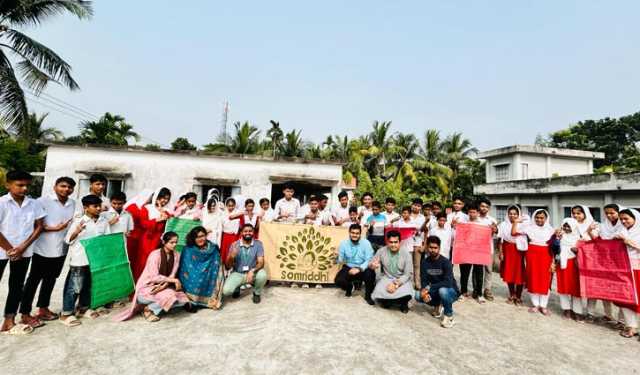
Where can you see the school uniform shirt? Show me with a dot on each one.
(93, 228)
(250, 220)
(185, 212)
(341, 213)
(106, 205)
(446, 239)
(17, 222)
(348, 223)
(291, 207)
(316, 221)
(268, 215)
(51, 244)
(419, 222)
(407, 243)
(325, 217)
(377, 223)
(391, 216)
(365, 213)
(124, 223)
(461, 216)
(230, 225)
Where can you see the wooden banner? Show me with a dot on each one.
(472, 244)
(605, 271)
(301, 253)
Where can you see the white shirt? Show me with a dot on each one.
(290, 207)
(391, 216)
(77, 255)
(230, 225)
(461, 216)
(17, 222)
(445, 235)
(365, 212)
(340, 213)
(51, 244)
(253, 220)
(418, 222)
(407, 243)
(124, 223)
(106, 205)
(316, 221)
(268, 215)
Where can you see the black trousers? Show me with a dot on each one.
(345, 281)
(45, 270)
(476, 281)
(402, 301)
(17, 272)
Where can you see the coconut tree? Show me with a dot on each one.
(33, 62)
(275, 135)
(457, 150)
(246, 140)
(108, 130)
(293, 146)
(33, 131)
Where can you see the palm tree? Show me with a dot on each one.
(377, 148)
(32, 130)
(275, 135)
(37, 65)
(293, 146)
(108, 130)
(457, 150)
(428, 161)
(246, 140)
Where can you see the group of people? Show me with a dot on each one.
(397, 257)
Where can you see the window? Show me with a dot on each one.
(502, 172)
(532, 209)
(114, 185)
(224, 191)
(525, 170)
(501, 213)
(595, 212)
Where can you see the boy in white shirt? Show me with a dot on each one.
(120, 220)
(389, 210)
(49, 250)
(77, 286)
(353, 217)
(443, 231)
(287, 208)
(484, 205)
(365, 210)
(340, 214)
(20, 225)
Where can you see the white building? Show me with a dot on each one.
(554, 179)
(131, 169)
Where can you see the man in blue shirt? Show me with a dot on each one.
(354, 255)
(246, 260)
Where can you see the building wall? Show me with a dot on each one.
(493, 162)
(179, 172)
(568, 167)
(538, 166)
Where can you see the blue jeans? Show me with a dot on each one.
(444, 296)
(155, 308)
(77, 286)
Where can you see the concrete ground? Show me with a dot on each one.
(311, 331)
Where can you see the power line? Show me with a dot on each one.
(64, 106)
(58, 110)
(67, 104)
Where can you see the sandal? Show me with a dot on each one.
(544, 311)
(511, 300)
(533, 309)
(566, 314)
(32, 322)
(70, 321)
(47, 316)
(628, 332)
(102, 310)
(18, 330)
(149, 316)
(93, 314)
(518, 302)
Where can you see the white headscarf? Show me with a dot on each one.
(583, 228)
(539, 235)
(568, 241)
(140, 199)
(504, 230)
(608, 230)
(154, 212)
(633, 233)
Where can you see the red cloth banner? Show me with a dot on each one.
(605, 271)
(404, 232)
(472, 244)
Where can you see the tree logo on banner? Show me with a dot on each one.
(308, 250)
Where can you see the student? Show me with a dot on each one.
(568, 276)
(353, 217)
(376, 222)
(230, 226)
(98, 186)
(266, 213)
(49, 250)
(395, 269)
(21, 222)
(288, 207)
(390, 210)
(312, 215)
(476, 270)
(249, 217)
(539, 259)
(444, 232)
(120, 220)
(354, 255)
(407, 243)
(484, 205)
(325, 213)
(588, 230)
(438, 285)
(246, 260)
(340, 214)
(511, 250)
(612, 225)
(134, 240)
(153, 218)
(630, 219)
(188, 207)
(212, 221)
(77, 286)
(428, 217)
(365, 210)
(436, 208)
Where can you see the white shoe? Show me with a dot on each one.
(306, 286)
(481, 300)
(438, 312)
(447, 322)
(243, 287)
(294, 285)
(318, 286)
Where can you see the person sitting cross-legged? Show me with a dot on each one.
(246, 259)
(355, 253)
(438, 285)
(394, 266)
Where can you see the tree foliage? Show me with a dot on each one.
(182, 144)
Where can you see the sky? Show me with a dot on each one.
(501, 72)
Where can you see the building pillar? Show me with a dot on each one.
(516, 171)
(516, 199)
(555, 211)
(547, 167)
(608, 199)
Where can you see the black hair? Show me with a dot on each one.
(366, 194)
(472, 206)
(392, 233)
(68, 180)
(91, 199)
(313, 198)
(544, 212)
(612, 206)
(342, 194)
(322, 197)
(390, 200)
(249, 201)
(190, 195)
(193, 233)
(436, 203)
(211, 202)
(164, 193)
(515, 207)
(263, 200)
(246, 225)
(96, 177)
(405, 208)
(627, 211)
(376, 204)
(484, 200)
(287, 186)
(355, 226)
(434, 239)
(427, 205)
(229, 200)
(168, 236)
(579, 208)
(119, 196)
(18, 176)
(441, 215)
(417, 201)
(353, 209)
(459, 198)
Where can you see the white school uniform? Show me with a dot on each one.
(418, 220)
(365, 212)
(340, 213)
(407, 243)
(124, 223)
(93, 228)
(231, 226)
(290, 207)
(17, 221)
(446, 239)
(51, 244)
(268, 215)
(391, 216)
